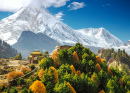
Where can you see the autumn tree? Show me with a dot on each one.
(75, 57)
(109, 70)
(25, 70)
(98, 59)
(41, 73)
(38, 87)
(98, 67)
(71, 88)
(73, 69)
(102, 91)
(55, 74)
(14, 75)
(55, 57)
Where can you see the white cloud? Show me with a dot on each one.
(15, 5)
(59, 15)
(12, 5)
(106, 5)
(55, 3)
(76, 5)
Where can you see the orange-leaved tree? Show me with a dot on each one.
(109, 70)
(78, 72)
(14, 75)
(102, 60)
(95, 81)
(55, 57)
(41, 73)
(102, 91)
(55, 74)
(25, 70)
(71, 88)
(98, 59)
(75, 57)
(73, 69)
(121, 82)
(98, 67)
(37, 87)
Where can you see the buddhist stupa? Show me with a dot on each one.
(57, 48)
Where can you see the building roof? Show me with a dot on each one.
(36, 53)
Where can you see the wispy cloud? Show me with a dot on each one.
(76, 5)
(15, 5)
(106, 5)
(59, 16)
(55, 3)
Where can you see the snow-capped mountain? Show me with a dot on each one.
(37, 19)
(127, 43)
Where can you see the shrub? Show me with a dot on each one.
(14, 75)
(36, 78)
(29, 83)
(62, 88)
(38, 87)
(46, 63)
(13, 90)
(25, 90)
(25, 70)
(20, 81)
(63, 69)
(32, 67)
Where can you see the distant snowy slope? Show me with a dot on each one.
(37, 19)
(127, 43)
(99, 37)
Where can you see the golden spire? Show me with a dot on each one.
(57, 44)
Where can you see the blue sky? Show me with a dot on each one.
(113, 15)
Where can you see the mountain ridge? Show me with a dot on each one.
(38, 20)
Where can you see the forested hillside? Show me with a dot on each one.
(119, 56)
(76, 70)
(6, 51)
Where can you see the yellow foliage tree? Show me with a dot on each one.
(102, 60)
(98, 67)
(121, 82)
(98, 59)
(38, 87)
(109, 70)
(75, 57)
(41, 73)
(55, 57)
(73, 69)
(71, 88)
(102, 91)
(55, 74)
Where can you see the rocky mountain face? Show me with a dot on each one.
(29, 41)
